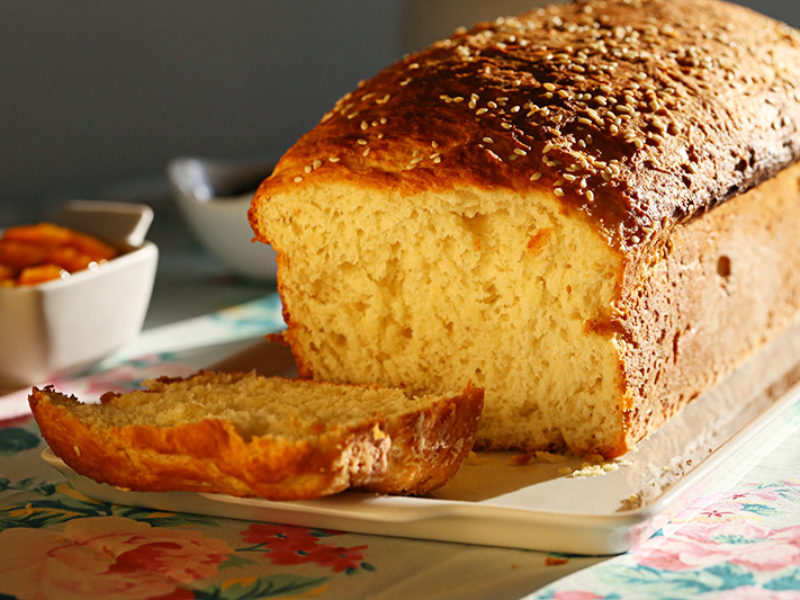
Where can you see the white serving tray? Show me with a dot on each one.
(492, 501)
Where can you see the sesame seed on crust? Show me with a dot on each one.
(641, 114)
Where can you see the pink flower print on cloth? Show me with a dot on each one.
(105, 557)
(290, 545)
(700, 544)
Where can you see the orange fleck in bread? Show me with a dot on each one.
(248, 435)
(589, 210)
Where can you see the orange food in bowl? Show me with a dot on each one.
(31, 254)
(7, 275)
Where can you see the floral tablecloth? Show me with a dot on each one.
(740, 542)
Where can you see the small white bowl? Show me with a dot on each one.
(214, 197)
(62, 326)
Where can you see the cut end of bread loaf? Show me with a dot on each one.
(276, 438)
(441, 288)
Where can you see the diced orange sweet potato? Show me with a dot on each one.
(7, 273)
(45, 251)
(55, 235)
(18, 254)
(42, 233)
(69, 258)
(40, 274)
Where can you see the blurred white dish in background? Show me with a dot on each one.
(214, 196)
(65, 325)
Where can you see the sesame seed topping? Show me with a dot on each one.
(298, 179)
(542, 85)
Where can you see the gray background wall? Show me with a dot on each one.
(97, 91)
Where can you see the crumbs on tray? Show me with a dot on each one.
(540, 455)
(594, 469)
(594, 465)
(632, 502)
(473, 458)
(549, 457)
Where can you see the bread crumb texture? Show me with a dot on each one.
(411, 300)
(255, 406)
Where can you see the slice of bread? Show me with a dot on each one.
(248, 435)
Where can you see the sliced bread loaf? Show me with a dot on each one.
(589, 210)
(248, 435)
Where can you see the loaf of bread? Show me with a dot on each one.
(248, 435)
(589, 210)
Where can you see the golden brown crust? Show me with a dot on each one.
(211, 456)
(208, 456)
(428, 448)
(285, 337)
(716, 292)
(636, 116)
(702, 301)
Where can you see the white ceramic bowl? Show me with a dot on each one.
(65, 325)
(214, 197)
